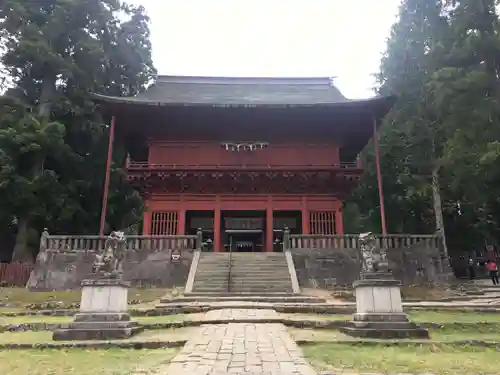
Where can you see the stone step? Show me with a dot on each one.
(260, 267)
(382, 325)
(263, 261)
(266, 278)
(100, 317)
(202, 263)
(245, 298)
(257, 275)
(211, 282)
(103, 325)
(259, 282)
(223, 275)
(243, 294)
(211, 290)
(256, 289)
(215, 284)
(95, 334)
(374, 333)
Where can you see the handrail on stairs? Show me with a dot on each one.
(229, 270)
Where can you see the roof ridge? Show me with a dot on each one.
(223, 80)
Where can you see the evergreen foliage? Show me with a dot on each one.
(440, 143)
(53, 144)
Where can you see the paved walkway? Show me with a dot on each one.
(240, 348)
(241, 314)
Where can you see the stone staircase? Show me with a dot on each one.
(212, 273)
(248, 273)
(259, 273)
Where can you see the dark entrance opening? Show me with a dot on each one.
(285, 219)
(243, 230)
(203, 220)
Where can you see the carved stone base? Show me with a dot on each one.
(103, 313)
(379, 310)
(384, 326)
(98, 326)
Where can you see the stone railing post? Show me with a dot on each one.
(286, 239)
(199, 239)
(43, 240)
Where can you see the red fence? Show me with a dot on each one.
(15, 274)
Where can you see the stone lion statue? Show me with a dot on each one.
(374, 259)
(109, 262)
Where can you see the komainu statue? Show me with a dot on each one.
(109, 262)
(374, 259)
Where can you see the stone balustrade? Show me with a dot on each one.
(350, 241)
(96, 243)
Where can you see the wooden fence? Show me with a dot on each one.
(15, 274)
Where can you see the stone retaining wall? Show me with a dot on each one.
(328, 268)
(63, 270)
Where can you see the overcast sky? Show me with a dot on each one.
(273, 38)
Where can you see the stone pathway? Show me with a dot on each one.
(241, 314)
(241, 348)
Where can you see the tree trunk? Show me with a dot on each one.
(21, 252)
(438, 208)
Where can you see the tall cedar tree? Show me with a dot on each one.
(409, 134)
(58, 52)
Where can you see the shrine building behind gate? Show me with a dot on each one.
(242, 158)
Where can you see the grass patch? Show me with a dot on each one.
(453, 317)
(81, 362)
(68, 319)
(20, 297)
(424, 293)
(5, 320)
(469, 333)
(301, 334)
(438, 335)
(440, 359)
(417, 316)
(41, 337)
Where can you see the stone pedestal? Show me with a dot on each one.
(379, 310)
(103, 313)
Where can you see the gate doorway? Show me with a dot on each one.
(245, 241)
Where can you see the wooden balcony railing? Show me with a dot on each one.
(143, 166)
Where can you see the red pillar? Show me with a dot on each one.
(305, 217)
(379, 178)
(105, 194)
(217, 244)
(146, 223)
(269, 227)
(339, 221)
(181, 229)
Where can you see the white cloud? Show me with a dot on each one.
(272, 38)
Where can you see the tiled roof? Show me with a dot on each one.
(228, 91)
